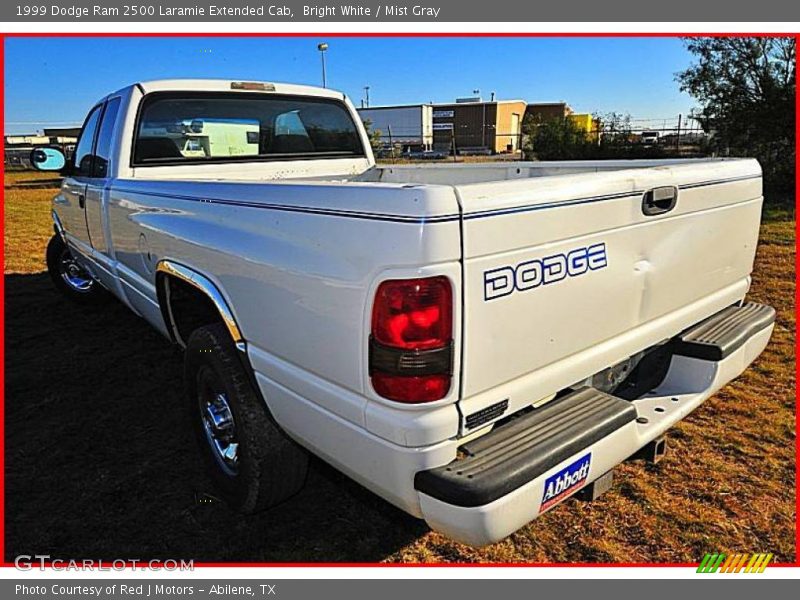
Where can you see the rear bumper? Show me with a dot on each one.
(689, 381)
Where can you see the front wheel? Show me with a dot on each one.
(254, 464)
(69, 277)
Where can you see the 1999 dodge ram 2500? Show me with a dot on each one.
(473, 343)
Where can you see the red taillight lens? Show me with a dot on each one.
(411, 342)
(411, 389)
(413, 314)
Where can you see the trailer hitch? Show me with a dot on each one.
(653, 452)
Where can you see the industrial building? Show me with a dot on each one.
(62, 135)
(411, 126)
(542, 112)
(467, 126)
(548, 111)
(472, 125)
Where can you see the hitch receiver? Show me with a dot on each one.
(597, 488)
(653, 452)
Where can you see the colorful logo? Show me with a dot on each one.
(734, 563)
(566, 482)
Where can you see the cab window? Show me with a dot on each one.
(102, 154)
(83, 158)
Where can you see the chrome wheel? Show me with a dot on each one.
(218, 423)
(73, 274)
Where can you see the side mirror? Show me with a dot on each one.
(48, 159)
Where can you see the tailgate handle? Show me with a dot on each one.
(659, 200)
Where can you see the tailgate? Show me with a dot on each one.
(567, 275)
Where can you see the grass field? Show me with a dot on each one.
(101, 463)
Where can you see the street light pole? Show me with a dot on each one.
(323, 47)
(366, 89)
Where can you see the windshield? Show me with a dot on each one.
(205, 127)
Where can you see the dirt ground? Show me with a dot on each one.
(101, 462)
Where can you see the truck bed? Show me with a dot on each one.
(446, 173)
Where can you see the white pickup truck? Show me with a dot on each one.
(474, 343)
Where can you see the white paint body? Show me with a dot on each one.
(298, 248)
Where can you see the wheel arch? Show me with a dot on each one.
(208, 303)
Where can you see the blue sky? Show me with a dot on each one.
(54, 81)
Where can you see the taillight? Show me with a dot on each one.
(411, 346)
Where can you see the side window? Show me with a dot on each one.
(103, 151)
(83, 151)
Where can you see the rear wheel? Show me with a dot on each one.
(250, 459)
(72, 280)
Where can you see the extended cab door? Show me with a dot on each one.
(96, 195)
(99, 180)
(72, 199)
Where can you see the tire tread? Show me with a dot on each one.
(273, 467)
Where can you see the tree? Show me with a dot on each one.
(375, 136)
(617, 131)
(563, 139)
(746, 87)
(554, 139)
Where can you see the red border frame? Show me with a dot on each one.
(3, 37)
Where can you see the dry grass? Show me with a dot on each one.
(22, 178)
(28, 226)
(87, 476)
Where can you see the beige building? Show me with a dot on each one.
(477, 126)
(548, 111)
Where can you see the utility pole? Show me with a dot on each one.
(678, 137)
(323, 47)
(483, 126)
(366, 90)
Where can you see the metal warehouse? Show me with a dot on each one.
(471, 125)
(408, 125)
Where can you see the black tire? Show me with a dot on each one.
(269, 467)
(58, 256)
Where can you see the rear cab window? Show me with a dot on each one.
(195, 127)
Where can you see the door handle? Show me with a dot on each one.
(659, 200)
(81, 200)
